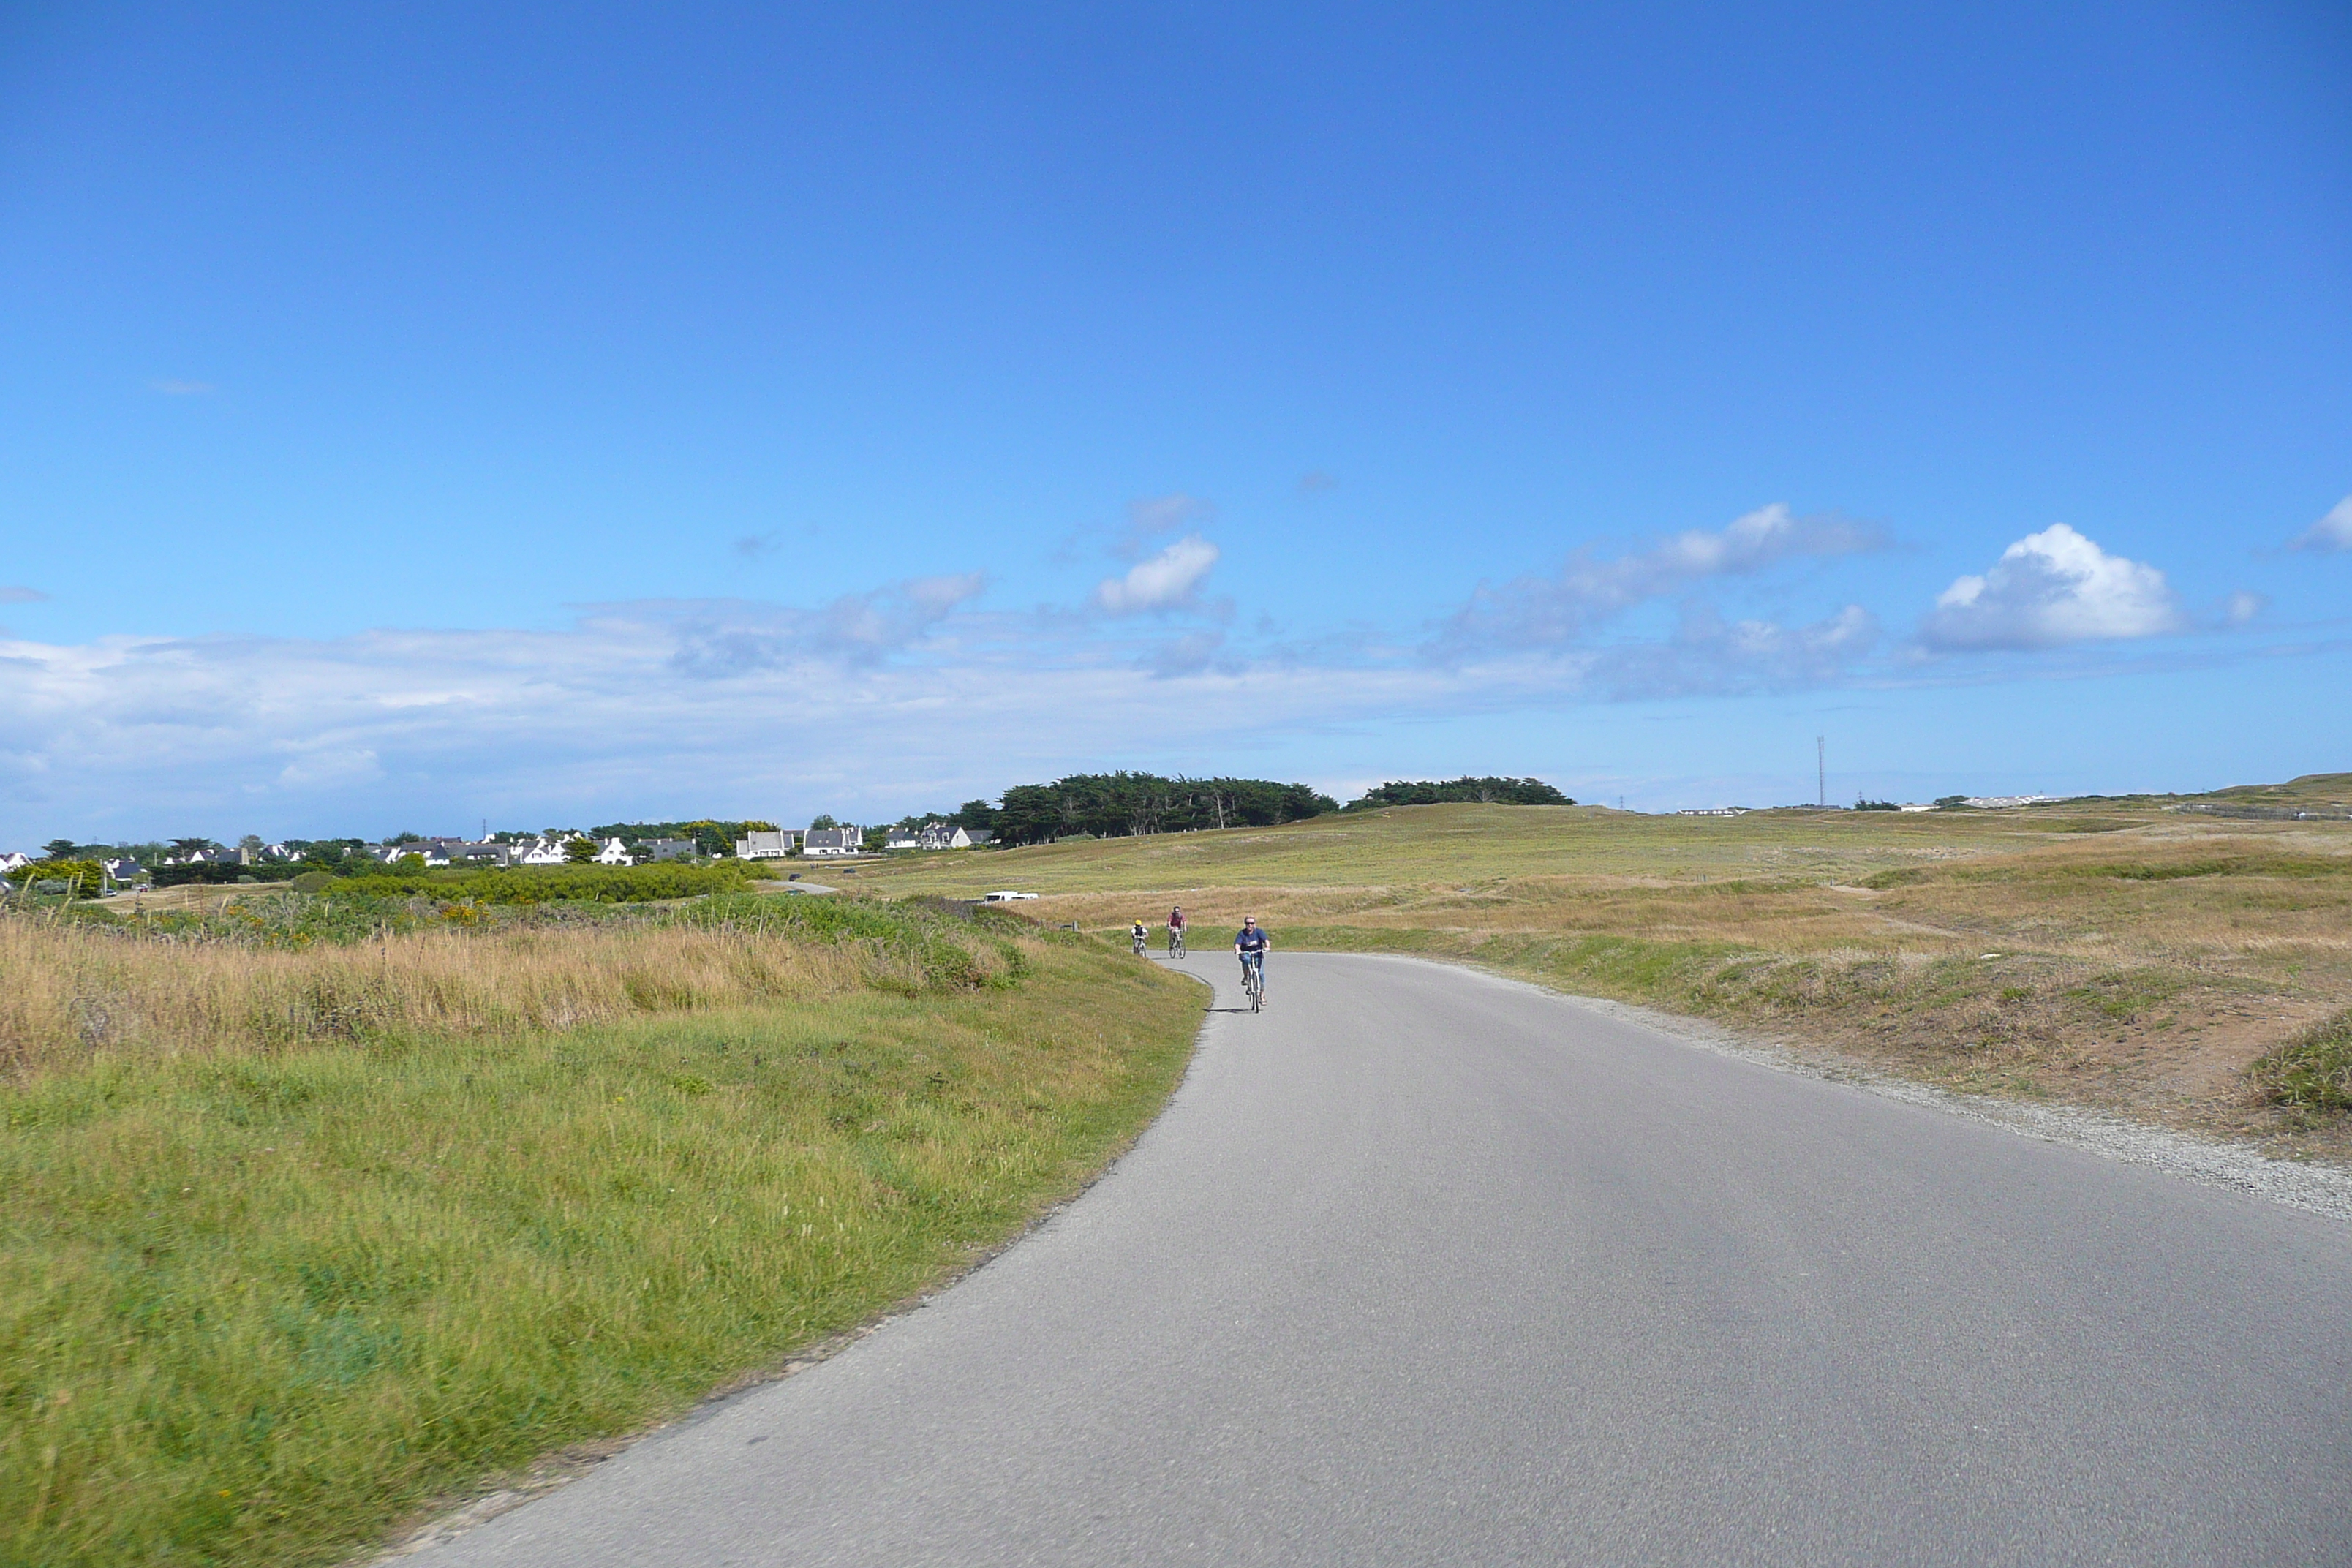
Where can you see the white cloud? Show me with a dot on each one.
(145, 736)
(2330, 533)
(1536, 612)
(11, 594)
(2242, 607)
(2049, 589)
(1168, 581)
(1147, 520)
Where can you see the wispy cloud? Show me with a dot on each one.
(1591, 589)
(719, 639)
(1168, 581)
(170, 388)
(1709, 655)
(11, 594)
(2050, 589)
(1315, 481)
(2330, 533)
(1187, 655)
(636, 706)
(1150, 519)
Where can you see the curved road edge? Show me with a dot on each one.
(551, 1472)
(2323, 1190)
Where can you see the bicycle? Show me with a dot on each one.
(1137, 935)
(1175, 942)
(1253, 979)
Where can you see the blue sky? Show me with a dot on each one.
(409, 417)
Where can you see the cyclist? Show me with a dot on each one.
(1249, 946)
(1136, 935)
(1176, 931)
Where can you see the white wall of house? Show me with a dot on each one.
(758, 845)
(832, 842)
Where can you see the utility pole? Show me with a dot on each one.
(1822, 767)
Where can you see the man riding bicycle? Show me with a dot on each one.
(1250, 945)
(1137, 933)
(1176, 931)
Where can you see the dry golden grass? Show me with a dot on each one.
(2117, 953)
(71, 992)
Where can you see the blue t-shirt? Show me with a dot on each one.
(1251, 940)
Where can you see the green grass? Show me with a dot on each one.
(255, 1309)
(2312, 1071)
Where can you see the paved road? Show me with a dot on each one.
(1425, 1268)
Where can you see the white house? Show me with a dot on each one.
(757, 844)
(615, 853)
(13, 861)
(935, 835)
(546, 851)
(832, 842)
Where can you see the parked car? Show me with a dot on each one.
(1006, 897)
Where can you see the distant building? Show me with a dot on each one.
(757, 844)
(13, 861)
(832, 842)
(667, 848)
(615, 853)
(1715, 810)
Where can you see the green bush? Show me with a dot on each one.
(79, 878)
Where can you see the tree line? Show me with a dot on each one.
(1486, 792)
(1135, 805)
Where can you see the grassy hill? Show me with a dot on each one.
(2142, 955)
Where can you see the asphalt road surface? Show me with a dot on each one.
(1421, 1266)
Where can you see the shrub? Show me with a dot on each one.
(74, 878)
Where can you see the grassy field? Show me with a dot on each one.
(2188, 962)
(295, 1240)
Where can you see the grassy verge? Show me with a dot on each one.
(261, 1297)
